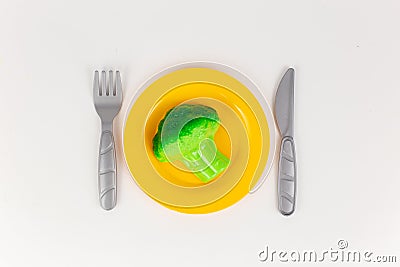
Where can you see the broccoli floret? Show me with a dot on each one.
(186, 134)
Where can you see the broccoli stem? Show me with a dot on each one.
(208, 162)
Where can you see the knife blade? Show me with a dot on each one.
(287, 171)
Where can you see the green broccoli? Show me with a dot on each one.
(186, 134)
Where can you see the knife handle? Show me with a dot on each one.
(107, 171)
(287, 177)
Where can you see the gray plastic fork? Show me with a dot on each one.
(107, 102)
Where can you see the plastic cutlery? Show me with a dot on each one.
(107, 101)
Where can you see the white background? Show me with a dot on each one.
(346, 54)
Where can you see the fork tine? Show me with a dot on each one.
(118, 84)
(103, 83)
(110, 87)
(96, 89)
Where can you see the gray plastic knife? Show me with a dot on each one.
(287, 173)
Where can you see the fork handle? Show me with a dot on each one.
(107, 170)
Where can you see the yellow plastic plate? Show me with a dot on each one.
(244, 136)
